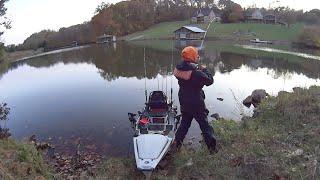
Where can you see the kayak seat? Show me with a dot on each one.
(157, 103)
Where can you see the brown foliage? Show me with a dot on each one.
(232, 13)
(310, 36)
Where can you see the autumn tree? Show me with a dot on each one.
(310, 17)
(225, 4)
(232, 12)
(101, 7)
(4, 21)
(310, 37)
(286, 15)
(236, 14)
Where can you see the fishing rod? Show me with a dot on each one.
(171, 90)
(145, 74)
(204, 37)
(205, 34)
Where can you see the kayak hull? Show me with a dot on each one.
(149, 149)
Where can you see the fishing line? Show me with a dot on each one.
(161, 81)
(158, 81)
(167, 81)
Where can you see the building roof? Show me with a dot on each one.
(257, 14)
(203, 11)
(193, 29)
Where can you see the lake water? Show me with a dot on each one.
(86, 93)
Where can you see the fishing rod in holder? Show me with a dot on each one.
(171, 89)
(145, 74)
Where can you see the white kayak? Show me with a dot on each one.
(155, 129)
(149, 150)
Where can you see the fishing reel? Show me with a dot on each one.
(195, 65)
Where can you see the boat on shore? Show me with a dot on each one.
(154, 131)
(258, 41)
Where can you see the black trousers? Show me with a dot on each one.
(201, 118)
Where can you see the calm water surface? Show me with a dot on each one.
(86, 94)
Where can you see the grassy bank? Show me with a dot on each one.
(250, 30)
(224, 31)
(21, 161)
(281, 142)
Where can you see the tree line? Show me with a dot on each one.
(117, 19)
(233, 12)
(5, 23)
(135, 15)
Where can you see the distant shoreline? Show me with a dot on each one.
(28, 54)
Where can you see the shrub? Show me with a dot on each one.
(310, 36)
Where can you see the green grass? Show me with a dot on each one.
(19, 160)
(218, 30)
(262, 31)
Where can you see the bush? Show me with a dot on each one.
(2, 53)
(4, 111)
(310, 36)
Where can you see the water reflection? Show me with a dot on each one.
(87, 93)
(126, 61)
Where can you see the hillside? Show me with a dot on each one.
(223, 31)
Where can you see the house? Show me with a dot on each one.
(257, 16)
(203, 15)
(270, 19)
(254, 17)
(189, 33)
(106, 38)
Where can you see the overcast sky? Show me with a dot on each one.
(30, 16)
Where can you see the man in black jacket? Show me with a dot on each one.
(192, 78)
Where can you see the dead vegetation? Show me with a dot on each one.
(21, 161)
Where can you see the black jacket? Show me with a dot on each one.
(191, 81)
